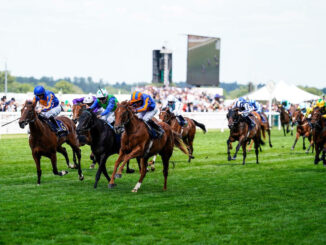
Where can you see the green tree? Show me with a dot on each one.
(312, 90)
(67, 87)
(10, 81)
(16, 87)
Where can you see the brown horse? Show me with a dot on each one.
(318, 122)
(187, 133)
(303, 129)
(239, 130)
(285, 120)
(137, 143)
(44, 142)
(264, 125)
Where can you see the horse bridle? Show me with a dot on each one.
(126, 122)
(27, 120)
(89, 124)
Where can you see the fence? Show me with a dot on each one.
(212, 120)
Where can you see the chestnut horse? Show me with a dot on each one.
(264, 125)
(137, 143)
(303, 129)
(187, 133)
(318, 122)
(44, 142)
(239, 130)
(285, 119)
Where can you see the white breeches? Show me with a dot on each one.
(53, 112)
(109, 117)
(147, 115)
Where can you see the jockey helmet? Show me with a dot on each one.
(101, 93)
(39, 90)
(136, 96)
(320, 103)
(88, 99)
(241, 99)
(171, 98)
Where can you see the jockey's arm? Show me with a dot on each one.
(49, 103)
(109, 108)
(95, 105)
(144, 107)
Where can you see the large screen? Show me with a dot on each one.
(203, 62)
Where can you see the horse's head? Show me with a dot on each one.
(77, 110)
(28, 114)
(166, 115)
(315, 117)
(297, 117)
(122, 113)
(233, 118)
(85, 121)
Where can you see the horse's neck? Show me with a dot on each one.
(132, 125)
(37, 127)
(97, 129)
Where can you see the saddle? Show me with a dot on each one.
(181, 121)
(55, 125)
(154, 130)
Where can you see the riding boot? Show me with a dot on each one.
(250, 122)
(181, 121)
(158, 130)
(59, 131)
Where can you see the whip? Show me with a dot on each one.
(10, 122)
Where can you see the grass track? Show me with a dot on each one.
(280, 201)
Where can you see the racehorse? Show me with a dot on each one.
(187, 133)
(84, 138)
(303, 129)
(104, 141)
(239, 130)
(136, 142)
(44, 142)
(285, 120)
(264, 125)
(318, 123)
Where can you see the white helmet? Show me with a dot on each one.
(88, 99)
(171, 98)
(101, 93)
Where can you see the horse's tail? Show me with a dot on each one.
(202, 126)
(179, 143)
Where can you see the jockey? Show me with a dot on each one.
(88, 101)
(257, 107)
(303, 108)
(245, 110)
(287, 105)
(174, 106)
(106, 101)
(322, 105)
(50, 106)
(146, 108)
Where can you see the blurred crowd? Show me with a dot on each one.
(192, 100)
(8, 105)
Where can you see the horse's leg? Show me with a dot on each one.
(77, 150)
(119, 173)
(250, 146)
(63, 151)
(269, 138)
(283, 130)
(142, 174)
(93, 158)
(228, 143)
(311, 142)
(257, 144)
(191, 147)
(244, 151)
(37, 159)
(53, 158)
(287, 128)
(317, 150)
(165, 160)
(129, 170)
(295, 141)
(237, 149)
(291, 130)
(152, 163)
(100, 169)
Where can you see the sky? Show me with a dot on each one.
(261, 41)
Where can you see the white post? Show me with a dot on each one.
(166, 69)
(270, 113)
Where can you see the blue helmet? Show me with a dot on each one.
(241, 99)
(39, 90)
(252, 102)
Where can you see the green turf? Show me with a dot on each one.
(210, 201)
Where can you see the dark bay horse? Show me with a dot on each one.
(318, 122)
(285, 120)
(104, 141)
(85, 137)
(187, 133)
(303, 129)
(239, 130)
(137, 143)
(44, 142)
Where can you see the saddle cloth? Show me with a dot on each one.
(61, 126)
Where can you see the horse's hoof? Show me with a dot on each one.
(292, 148)
(152, 168)
(64, 172)
(134, 190)
(38, 184)
(233, 158)
(92, 166)
(307, 152)
(270, 145)
(111, 186)
(118, 176)
(72, 166)
(130, 171)
(229, 158)
(81, 178)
